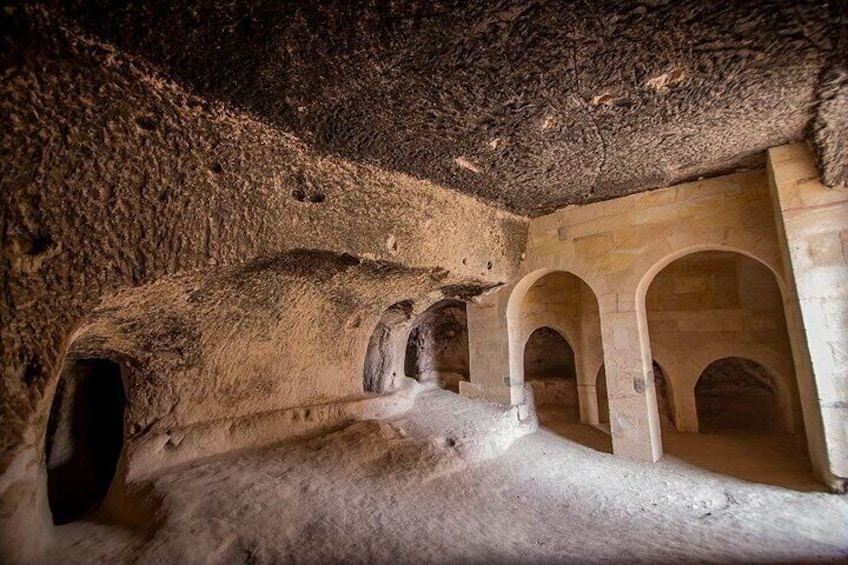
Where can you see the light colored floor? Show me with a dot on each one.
(767, 458)
(458, 481)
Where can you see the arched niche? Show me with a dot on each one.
(437, 346)
(549, 367)
(563, 302)
(713, 304)
(738, 394)
(85, 437)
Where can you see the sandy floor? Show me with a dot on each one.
(458, 481)
(767, 458)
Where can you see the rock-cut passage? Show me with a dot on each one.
(84, 438)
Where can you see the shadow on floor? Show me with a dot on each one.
(565, 421)
(771, 459)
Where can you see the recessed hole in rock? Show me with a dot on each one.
(437, 346)
(85, 436)
(147, 123)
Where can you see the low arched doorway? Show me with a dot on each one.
(550, 370)
(737, 394)
(437, 347)
(85, 437)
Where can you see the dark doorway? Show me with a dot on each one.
(85, 436)
(735, 394)
(437, 348)
(549, 368)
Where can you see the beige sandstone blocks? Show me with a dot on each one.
(617, 247)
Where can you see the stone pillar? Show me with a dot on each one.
(634, 419)
(587, 395)
(686, 411)
(812, 223)
(488, 353)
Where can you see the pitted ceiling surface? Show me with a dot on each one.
(528, 105)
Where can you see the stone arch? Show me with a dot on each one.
(519, 328)
(383, 357)
(85, 435)
(738, 393)
(744, 243)
(718, 344)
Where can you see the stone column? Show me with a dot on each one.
(587, 395)
(812, 223)
(488, 353)
(686, 411)
(634, 419)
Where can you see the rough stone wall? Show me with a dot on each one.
(225, 343)
(145, 223)
(828, 132)
(114, 177)
(533, 105)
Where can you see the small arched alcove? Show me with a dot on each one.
(85, 437)
(554, 346)
(437, 347)
(383, 358)
(550, 369)
(737, 394)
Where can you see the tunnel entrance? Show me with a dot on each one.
(549, 368)
(735, 394)
(437, 348)
(85, 436)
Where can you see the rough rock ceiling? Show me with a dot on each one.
(528, 105)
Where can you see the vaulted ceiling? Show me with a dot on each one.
(528, 105)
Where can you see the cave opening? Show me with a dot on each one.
(549, 368)
(437, 347)
(736, 394)
(85, 437)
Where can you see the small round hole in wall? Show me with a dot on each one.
(147, 123)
